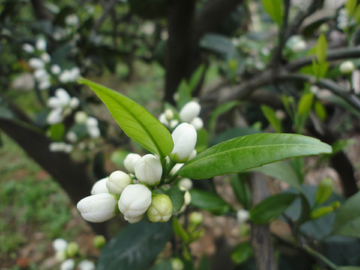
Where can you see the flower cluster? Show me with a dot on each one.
(296, 44)
(90, 122)
(61, 106)
(134, 193)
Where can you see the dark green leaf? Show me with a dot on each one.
(204, 263)
(202, 140)
(241, 189)
(136, 121)
(196, 77)
(135, 247)
(271, 117)
(274, 9)
(250, 151)
(242, 253)
(179, 230)
(209, 201)
(271, 207)
(164, 265)
(177, 197)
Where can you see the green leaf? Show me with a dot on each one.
(233, 133)
(350, 6)
(250, 151)
(280, 170)
(209, 201)
(177, 197)
(204, 263)
(305, 104)
(241, 189)
(179, 230)
(135, 120)
(271, 207)
(139, 240)
(348, 268)
(305, 209)
(242, 252)
(321, 47)
(357, 14)
(164, 265)
(223, 108)
(347, 220)
(184, 94)
(274, 9)
(196, 77)
(202, 140)
(57, 131)
(118, 157)
(271, 117)
(320, 111)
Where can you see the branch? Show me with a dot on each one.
(108, 8)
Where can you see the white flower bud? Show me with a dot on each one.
(60, 256)
(187, 199)
(94, 132)
(100, 187)
(36, 63)
(74, 102)
(176, 96)
(148, 170)
(169, 115)
(41, 44)
(68, 148)
(189, 111)
(134, 201)
(184, 137)
(86, 265)
(54, 116)
(118, 181)
(196, 217)
(28, 48)
(160, 209)
(97, 208)
(65, 76)
(80, 117)
(92, 122)
(72, 20)
(69, 264)
(71, 136)
(55, 69)
(74, 74)
(40, 74)
(186, 183)
(192, 155)
(133, 220)
(45, 57)
(175, 169)
(174, 123)
(59, 244)
(63, 96)
(347, 67)
(242, 216)
(130, 162)
(197, 122)
(43, 85)
(55, 147)
(298, 46)
(177, 264)
(162, 119)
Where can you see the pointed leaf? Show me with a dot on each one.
(350, 6)
(135, 120)
(250, 151)
(271, 117)
(274, 9)
(209, 201)
(196, 77)
(321, 47)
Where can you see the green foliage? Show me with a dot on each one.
(140, 240)
(209, 201)
(320, 110)
(164, 265)
(242, 252)
(223, 108)
(177, 197)
(136, 121)
(233, 133)
(271, 117)
(118, 157)
(274, 9)
(271, 207)
(350, 6)
(303, 111)
(324, 190)
(321, 47)
(250, 151)
(241, 189)
(57, 131)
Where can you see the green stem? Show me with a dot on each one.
(319, 256)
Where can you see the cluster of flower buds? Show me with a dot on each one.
(60, 147)
(61, 106)
(296, 44)
(342, 19)
(91, 123)
(69, 75)
(189, 113)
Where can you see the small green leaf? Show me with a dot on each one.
(241, 189)
(184, 94)
(177, 197)
(57, 131)
(350, 6)
(196, 77)
(202, 140)
(135, 120)
(223, 108)
(347, 220)
(179, 230)
(280, 170)
(321, 47)
(118, 157)
(324, 190)
(250, 151)
(271, 117)
(320, 110)
(305, 209)
(271, 207)
(242, 252)
(357, 14)
(209, 201)
(305, 104)
(274, 9)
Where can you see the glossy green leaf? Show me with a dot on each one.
(271, 117)
(242, 252)
(209, 201)
(249, 152)
(321, 47)
(347, 220)
(271, 207)
(350, 6)
(233, 133)
(274, 9)
(177, 197)
(223, 108)
(202, 140)
(196, 77)
(305, 104)
(139, 240)
(280, 170)
(135, 120)
(241, 189)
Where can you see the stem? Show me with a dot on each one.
(321, 257)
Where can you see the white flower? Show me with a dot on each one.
(169, 115)
(162, 119)
(59, 244)
(43, 85)
(69, 264)
(189, 111)
(175, 169)
(80, 117)
(148, 28)
(63, 96)
(298, 46)
(197, 122)
(74, 102)
(134, 201)
(28, 48)
(74, 74)
(118, 181)
(41, 74)
(94, 132)
(55, 69)
(184, 137)
(68, 148)
(347, 67)
(41, 44)
(100, 187)
(45, 57)
(160, 209)
(36, 63)
(242, 216)
(72, 20)
(97, 208)
(60, 256)
(148, 170)
(186, 183)
(196, 217)
(71, 136)
(135, 219)
(174, 123)
(86, 265)
(54, 116)
(65, 76)
(177, 264)
(130, 162)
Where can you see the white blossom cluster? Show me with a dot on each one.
(60, 147)
(296, 44)
(91, 123)
(189, 113)
(61, 105)
(343, 21)
(131, 193)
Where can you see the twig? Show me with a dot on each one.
(319, 256)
